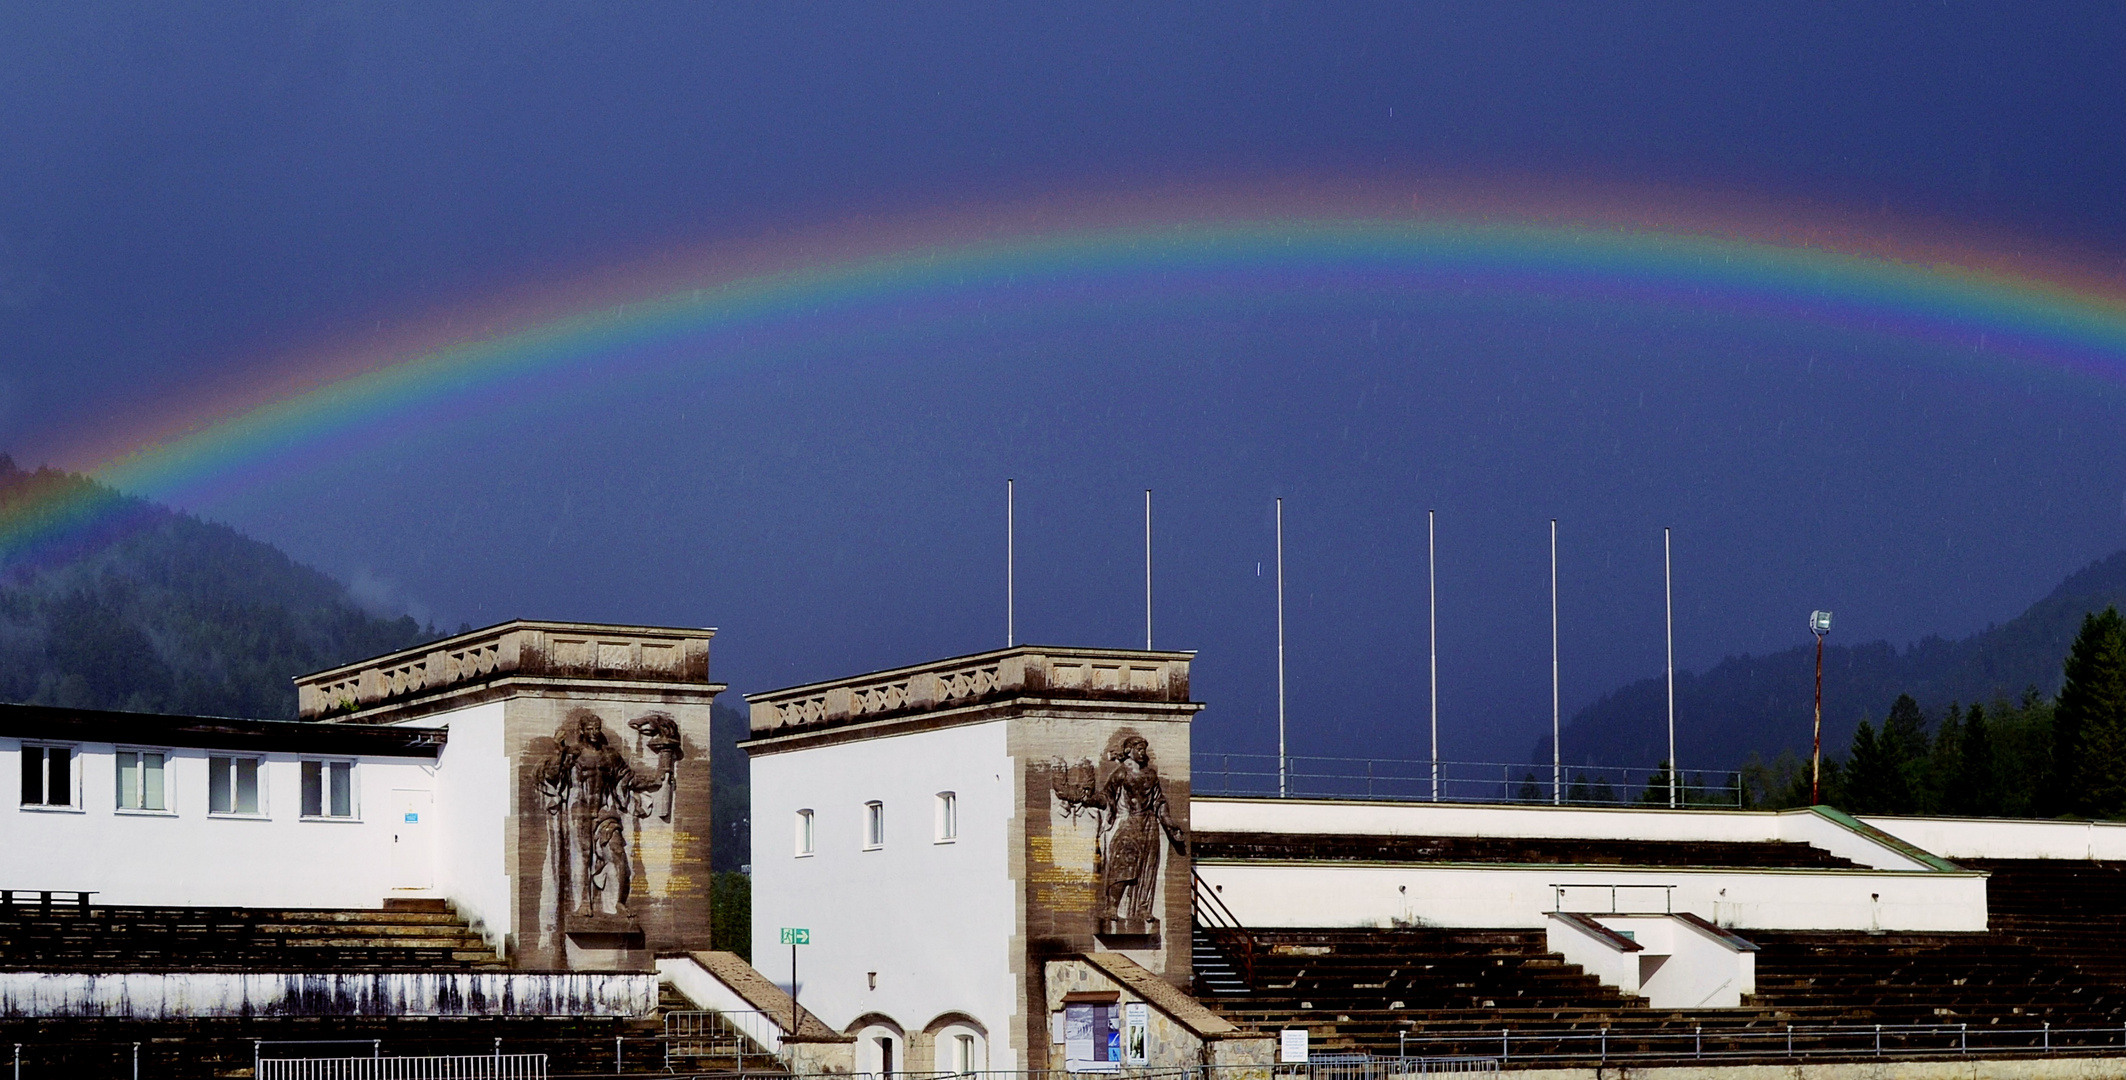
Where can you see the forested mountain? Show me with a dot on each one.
(162, 612)
(1762, 705)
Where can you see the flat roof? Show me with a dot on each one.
(56, 724)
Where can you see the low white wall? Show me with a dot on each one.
(181, 995)
(185, 856)
(1608, 961)
(1677, 965)
(2007, 838)
(1556, 822)
(472, 801)
(1267, 895)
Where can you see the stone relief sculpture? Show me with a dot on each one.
(660, 735)
(1129, 804)
(592, 792)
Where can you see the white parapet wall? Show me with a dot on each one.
(1898, 885)
(1828, 830)
(2007, 838)
(188, 995)
(1271, 895)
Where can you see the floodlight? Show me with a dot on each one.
(1819, 622)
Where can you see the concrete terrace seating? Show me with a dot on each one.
(1981, 979)
(2072, 911)
(1360, 990)
(1357, 988)
(1485, 849)
(407, 936)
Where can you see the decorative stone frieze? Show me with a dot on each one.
(477, 665)
(1023, 672)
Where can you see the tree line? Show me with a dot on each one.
(2031, 757)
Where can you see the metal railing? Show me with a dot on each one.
(1224, 930)
(453, 1067)
(705, 1036)
(42, 898)
(1789, 1042)
(1410, 780)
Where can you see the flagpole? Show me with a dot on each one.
(1432, 603)
(1281, 759)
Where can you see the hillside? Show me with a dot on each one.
(1762, 704)
(162, 612)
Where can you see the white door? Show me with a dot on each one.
(412, 864)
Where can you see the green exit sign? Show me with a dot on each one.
(796, 935)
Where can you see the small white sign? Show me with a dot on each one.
(1292, 1046)
(1136, 1033)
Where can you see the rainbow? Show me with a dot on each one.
(721, 304)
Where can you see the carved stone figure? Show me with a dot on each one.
(591, 791)
(1131, 813)
(660, 735)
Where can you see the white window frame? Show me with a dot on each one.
(874, 825)
(265, 809)
(354, 789)
(807, 839)
(73, 770)
(947, 817)
(118, 780)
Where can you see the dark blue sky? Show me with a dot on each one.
(192, 190)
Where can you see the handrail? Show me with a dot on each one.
(1213, 915)
(1557, 900)
(44, 898)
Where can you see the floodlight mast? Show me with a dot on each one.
(1819, 625)
(1557, 760)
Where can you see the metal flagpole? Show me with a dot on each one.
(1668, 595)
(1432, 601)
(1010, 586)
(1281, 771)
(1147, 569)
(1557, 760)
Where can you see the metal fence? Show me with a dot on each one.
(1789, 1042)
(1411, 780)
(456, 1067)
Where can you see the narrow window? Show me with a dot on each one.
(963, 1054)
(47, 776)
(328, 789)
(804, 832)
(874, 825)
(232, 785)
(948, 817)
(140, 780)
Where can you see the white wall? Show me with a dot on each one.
(1568, 822)
(185, 856)
(158, 995)
(935, 921)
(2008, 838)
(1676, 966)
(1268, 895)
(472, 804)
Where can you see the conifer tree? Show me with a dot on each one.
(1869, 773)
(1946, 764)
(2089, 723)
(1975, 789)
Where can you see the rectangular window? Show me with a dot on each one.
(948, 817)
(328, 789)
(804, 832)
(140, 780)
(874, 825)
(232, 785)
(47, 776)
